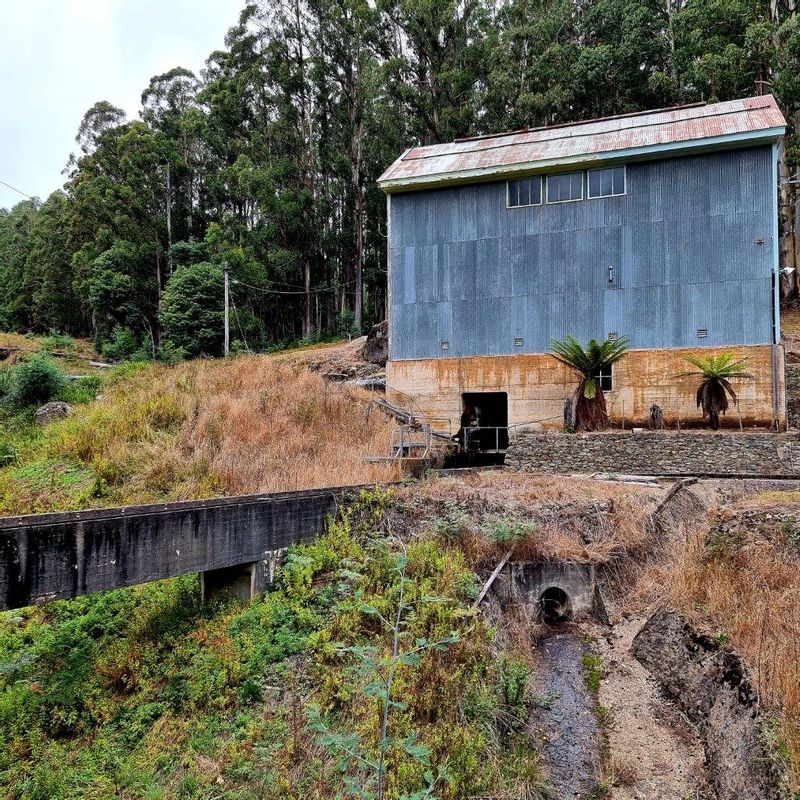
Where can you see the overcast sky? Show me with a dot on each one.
(58, 57)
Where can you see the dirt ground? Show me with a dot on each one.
(655, 754)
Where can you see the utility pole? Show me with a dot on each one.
(227, 345)
(168, 201)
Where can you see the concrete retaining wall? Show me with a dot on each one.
(526, 582)
(53, 556)
(689, 453)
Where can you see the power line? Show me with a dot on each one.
(18, 191)
(278, 291)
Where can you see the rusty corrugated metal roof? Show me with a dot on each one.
(648, 132)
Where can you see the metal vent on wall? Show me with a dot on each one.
(702, 333)
(518, 342)
(445, 345)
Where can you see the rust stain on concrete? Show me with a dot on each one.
(537, 386)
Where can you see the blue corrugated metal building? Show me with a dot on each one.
(660, 226)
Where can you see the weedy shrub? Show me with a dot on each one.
(83, 390)
(122, 344)
(8, 453)
(5, 382)
(592, 671)
(36, 382)
(505, 531)
(57, 341)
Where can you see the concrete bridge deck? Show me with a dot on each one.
(47, 557)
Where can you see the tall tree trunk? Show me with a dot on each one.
(787, 254)
(355, 105)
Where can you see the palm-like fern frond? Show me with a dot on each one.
(722, 367)
(715, 388)
(591, 359)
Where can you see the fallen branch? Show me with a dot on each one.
(492, 577)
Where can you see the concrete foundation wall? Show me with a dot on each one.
(53, 556)
(537, 386)
(688, 453)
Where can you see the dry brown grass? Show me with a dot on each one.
(206, 428)
(746, 589)
(790, 321)
(81, 347)
(573, 519)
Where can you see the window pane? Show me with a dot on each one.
(607, 182)
(536, 190)
(564, 187)
(604, 377)
(525, 192)
(594, 183)
(619, 180)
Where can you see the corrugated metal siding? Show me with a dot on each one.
(468, 271)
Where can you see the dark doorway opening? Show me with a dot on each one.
(555, 606)
(491, 410)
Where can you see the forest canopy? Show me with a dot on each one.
(266, 162)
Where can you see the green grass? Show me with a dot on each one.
(592, 671)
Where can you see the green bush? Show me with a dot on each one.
(122, 345)
(5, 382)
(346, 325)
(509, 531)
(169, 354)
(8, 453)
(83, 390)
(36, 382)
(192, 310)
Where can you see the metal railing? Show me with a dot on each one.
(494, 438)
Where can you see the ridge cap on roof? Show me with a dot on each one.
(577, 122)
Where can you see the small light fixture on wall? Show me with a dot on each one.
(445, 345)
(611, 274)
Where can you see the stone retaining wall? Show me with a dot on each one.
(662, 453)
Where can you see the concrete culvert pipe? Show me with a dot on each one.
(555, 606)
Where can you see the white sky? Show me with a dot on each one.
(58, 57)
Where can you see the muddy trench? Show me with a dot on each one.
(603, 725)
